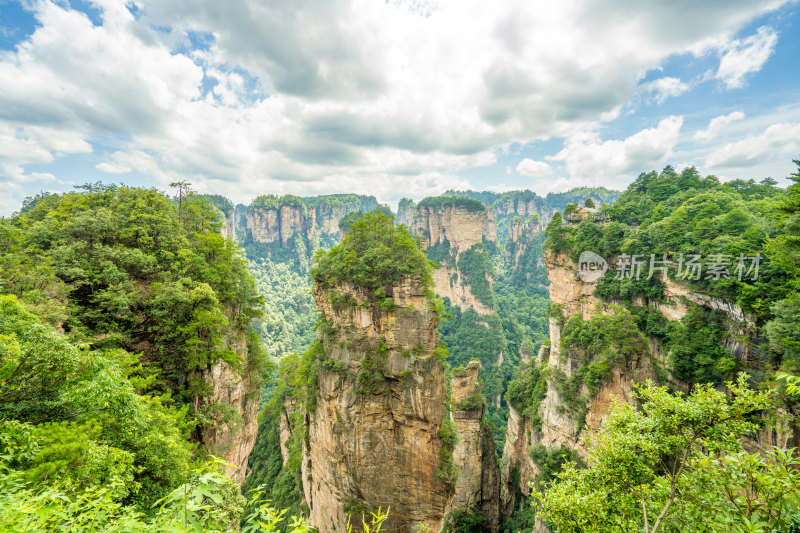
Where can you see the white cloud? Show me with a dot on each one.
(745, 56)
(716, 124)
(533, 168)
(664, 88)
(587, 157)
(313, 95)
(777, 142)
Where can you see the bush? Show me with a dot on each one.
(472, 402)
(461, 521)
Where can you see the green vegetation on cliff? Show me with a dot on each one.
(678, 464)
(121, 267)
(373, 254)
(435, 202)
(115, 302)
(727, 225)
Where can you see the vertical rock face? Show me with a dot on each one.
(373, 439)
(289, 406)
(308, 217)
(374, 435)
(478, 484)
(572, 296)
(524, 204)
(405, 212)
(517, 467)
(458, 229)
(279, 225)
(228, 229)
(233, 434)
(522, 240)
(234, 440)
(448, 284)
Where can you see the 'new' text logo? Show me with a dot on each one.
(591, 266)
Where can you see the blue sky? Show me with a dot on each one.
(392, 98)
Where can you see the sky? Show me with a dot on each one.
(394, 98)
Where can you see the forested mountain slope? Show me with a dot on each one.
(125, 322)
(728, 313)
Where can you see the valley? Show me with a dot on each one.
(443, 364)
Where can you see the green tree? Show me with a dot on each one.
(557, 235)
(645, 466)
(184, 190)
(783, 331)
(373, 254)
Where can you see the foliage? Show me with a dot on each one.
(684, 213)
(208, 502)
(287, 325)
(261, 516)
(527, 391)
(76, 399)
(697, 351)
(346, 222)
(281, 484)
(468, 336)
(434, 202)
(473, 402)
(476, 267)
(645, 467)
(598, 344)
(464, 521)
(557, 235)
(448, 471)
(374, 254)
(81, 449)
(784, 250)
(371, 524)
(271, 201)
(550, 462)
(134, 273)
(225, 206)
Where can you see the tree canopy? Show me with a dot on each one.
(373, 254)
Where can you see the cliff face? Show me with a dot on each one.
(231, 437)
(311, 218)
(478, 485)
(279, 225)
(558, 428)
(524, 207)
(228, 229)
(373, 438)
(374, 435)
(524, 242)
(458, 229)
(448, 284)
(405, 213)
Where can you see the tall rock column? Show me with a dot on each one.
(373, 436)
(478, 484)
